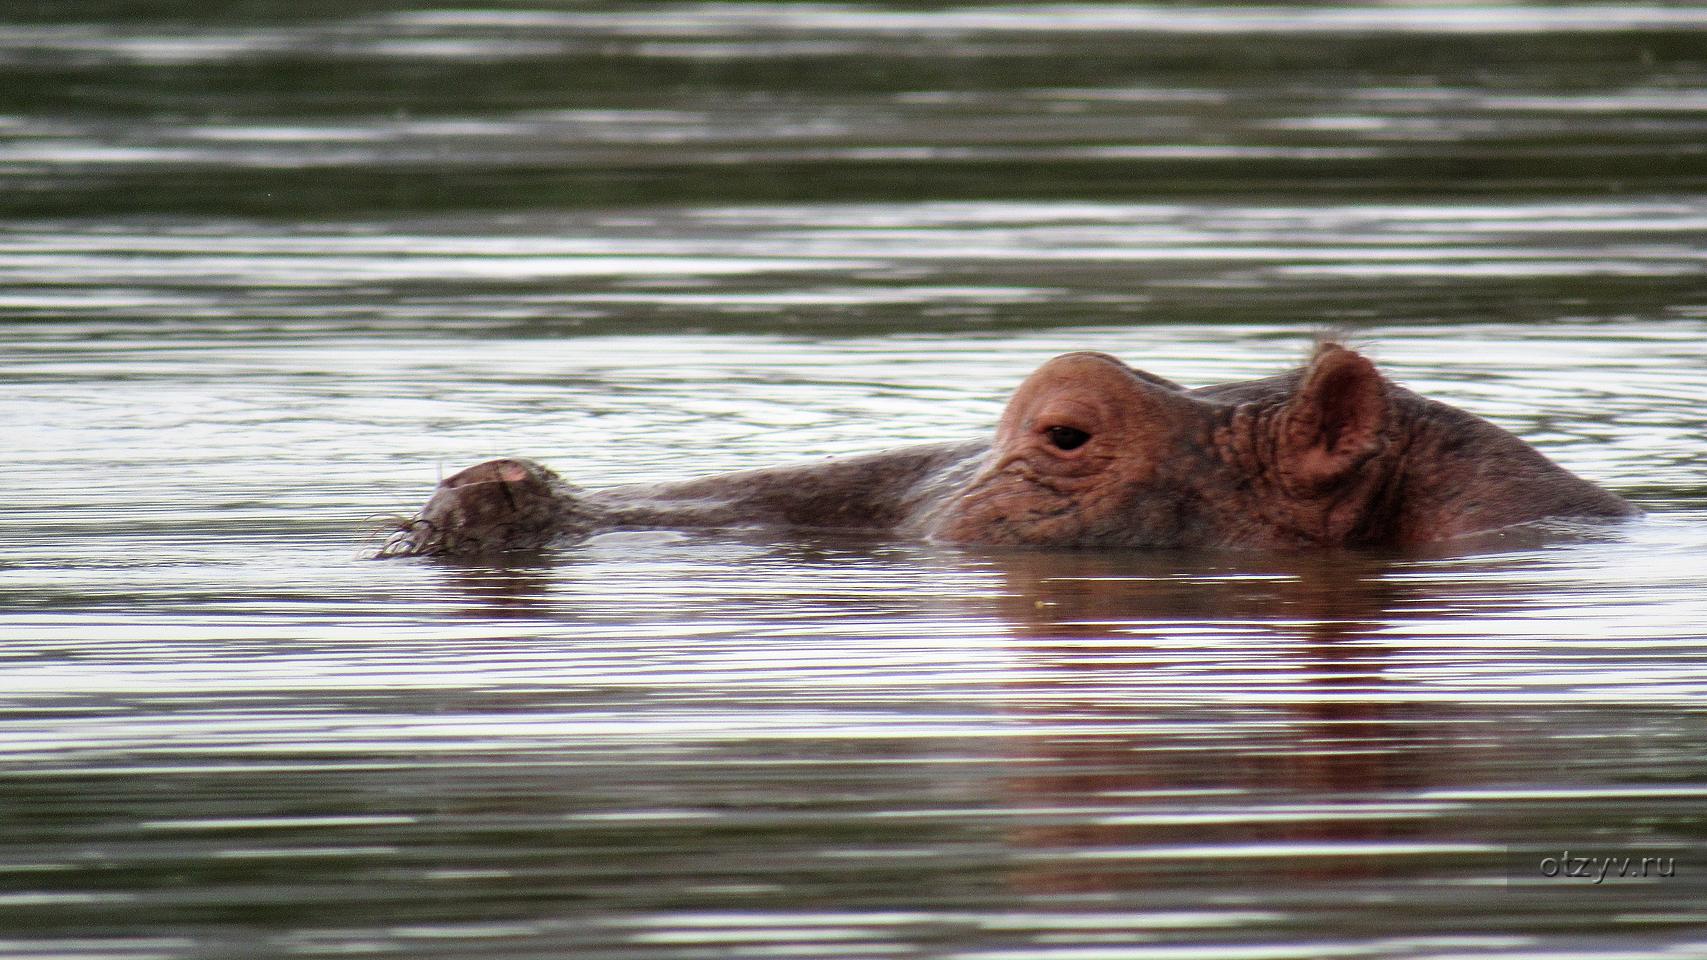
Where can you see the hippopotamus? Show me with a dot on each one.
(1091, 453)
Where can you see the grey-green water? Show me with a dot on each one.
(267, 270)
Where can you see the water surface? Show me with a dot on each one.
(266, 274)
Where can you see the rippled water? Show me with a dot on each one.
(266, 273)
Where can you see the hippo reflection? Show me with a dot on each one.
(1092, 453)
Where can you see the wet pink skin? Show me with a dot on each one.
(1092, 453)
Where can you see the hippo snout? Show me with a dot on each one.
(507, 504)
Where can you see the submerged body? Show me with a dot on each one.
(1089, 453)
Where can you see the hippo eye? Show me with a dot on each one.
(1067, 438)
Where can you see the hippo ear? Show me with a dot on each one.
(1333, 422)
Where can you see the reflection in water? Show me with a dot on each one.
(514, 587)
(1234, 720)
(1090, 621)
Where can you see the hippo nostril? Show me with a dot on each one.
(493, 471)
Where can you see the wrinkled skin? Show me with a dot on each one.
(1091, 453)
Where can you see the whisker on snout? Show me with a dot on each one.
(391, 535)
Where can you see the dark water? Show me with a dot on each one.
(267, 270)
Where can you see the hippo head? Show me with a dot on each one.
(1090, 452)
